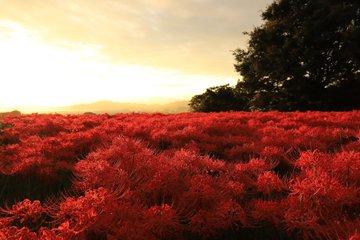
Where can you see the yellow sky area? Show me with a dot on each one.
(192, 36)
(37, 73)
(62, 52)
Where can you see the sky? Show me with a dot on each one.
(62, 52)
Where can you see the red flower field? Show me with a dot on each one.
(232, 175)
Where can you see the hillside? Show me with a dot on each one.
(118, 107)
(110, 107)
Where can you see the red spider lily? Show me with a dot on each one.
(270, 212)
(269, 182)
(24, 213)
(224, 216)
(14, 233)
(184, 176)
(163, 223)
(355, 237)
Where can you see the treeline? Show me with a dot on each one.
(305, 56)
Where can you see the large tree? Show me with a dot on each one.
(216, 99)
(305, 56)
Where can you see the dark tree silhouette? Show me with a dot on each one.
(304, 57)
(216, 99)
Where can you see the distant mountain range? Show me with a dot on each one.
(112, 107)
(118, 107)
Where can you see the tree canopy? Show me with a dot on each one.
(305, 56)
(216, 99)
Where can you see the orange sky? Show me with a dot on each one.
(61, 52)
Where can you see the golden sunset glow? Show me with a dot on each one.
(87, 51)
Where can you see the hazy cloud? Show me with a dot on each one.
(194, 36)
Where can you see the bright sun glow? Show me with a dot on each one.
(34, 73)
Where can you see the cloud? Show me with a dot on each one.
(193, 36)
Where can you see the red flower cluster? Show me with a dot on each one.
(232, 175)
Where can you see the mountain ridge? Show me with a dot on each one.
(127, 107)
(111, 107)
